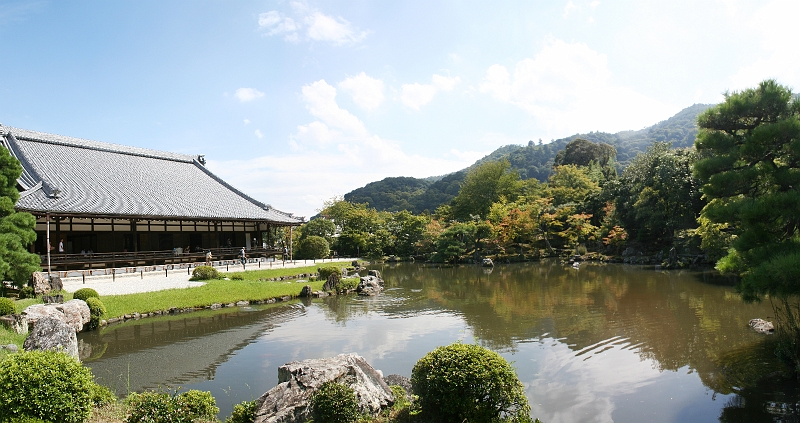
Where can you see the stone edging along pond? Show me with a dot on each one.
(216, 306)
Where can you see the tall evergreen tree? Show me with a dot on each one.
(752, 179)
(16, 229)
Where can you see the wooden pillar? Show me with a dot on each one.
(135, 236)
(58, 236)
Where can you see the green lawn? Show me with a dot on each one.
(252, 286)
(214, 291)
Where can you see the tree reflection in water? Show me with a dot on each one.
(600, 343)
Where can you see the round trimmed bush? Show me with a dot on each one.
(84, 294)
(334, 403)
(314, 247)
(462, 382)
(204, 273)
(43, 384)
(96, 311)
(7, 306)
(326, 271)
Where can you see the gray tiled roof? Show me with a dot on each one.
(96, 178)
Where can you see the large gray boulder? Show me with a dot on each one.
(370, 285)
(51, 333)
(74, 313)
(297, 381)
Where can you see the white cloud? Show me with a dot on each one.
(259, 134)
(367, 92)
(247, 121)
(316, 25)
(248, 94)
(325, 173)
(771, 26)
(335, 30)
(445, 83)
(569, 8)
(417, 95)
(594, 4)
(569, 88)
(315, 133)
(497, 83)
(332, 155)
(320, 98)
(276, 24)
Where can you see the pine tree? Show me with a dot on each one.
(751, 171)
(16, 229)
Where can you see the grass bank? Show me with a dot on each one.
(253, 285)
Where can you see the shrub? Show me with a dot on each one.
(152, 407)
(84, 294)
(44, 384)
(157, 407)
(349, 283)
(314, 247)
(334, 403)
(203, 273)
(400, 397)
(26, 292)
(101, 395)
(200, 404)
(96, 311)
(326, 271)
(26, 419)
(463, 382)
(244, 412)
(7, 306)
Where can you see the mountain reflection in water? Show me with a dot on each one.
(597, 344)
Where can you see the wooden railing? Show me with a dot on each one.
(121, 259)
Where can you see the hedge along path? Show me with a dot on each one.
(253, 287)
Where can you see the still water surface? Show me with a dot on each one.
(604, 343)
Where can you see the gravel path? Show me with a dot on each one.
(130, 283)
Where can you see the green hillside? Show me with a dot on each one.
(531, 161)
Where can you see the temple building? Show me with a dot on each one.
(108, 204)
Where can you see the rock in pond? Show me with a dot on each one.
(297, 381)
(51, 333)
(762, 326)
(370, 285)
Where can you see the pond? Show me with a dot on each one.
(602, 343)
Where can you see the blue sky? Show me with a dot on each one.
(295, 102)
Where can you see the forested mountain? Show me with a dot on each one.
(531, 161)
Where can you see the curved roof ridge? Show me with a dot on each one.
(44, 137)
